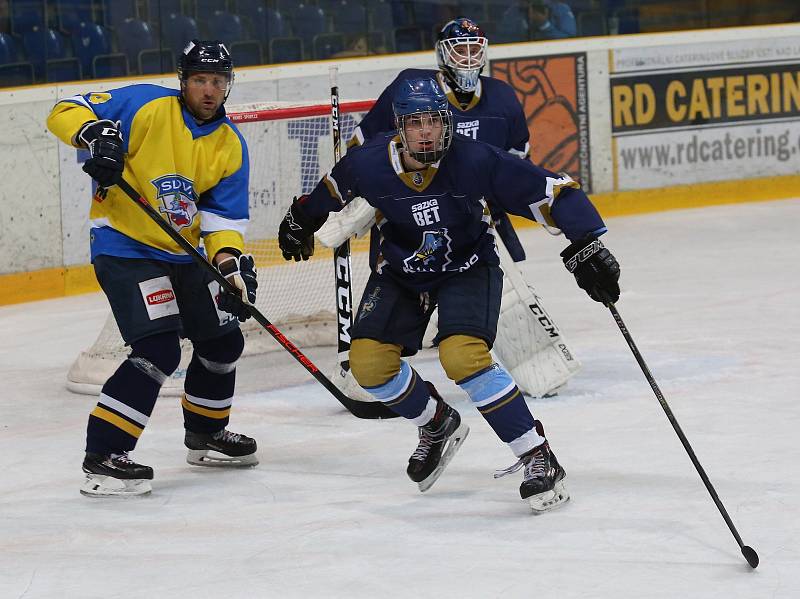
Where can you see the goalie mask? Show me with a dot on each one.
(461, 53)
(423, 118)
(207, 57)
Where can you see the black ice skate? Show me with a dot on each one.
(438, 442)
(115, 475)
(230, 450)
(542, 480)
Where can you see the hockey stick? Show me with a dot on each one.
(359, 409)
(748, 552)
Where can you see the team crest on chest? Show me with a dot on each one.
(177, 198)
(432, 255)
(417, 178)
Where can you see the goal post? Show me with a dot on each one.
(290, 148)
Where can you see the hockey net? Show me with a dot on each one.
(290, 148)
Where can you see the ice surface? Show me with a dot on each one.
(711, 297)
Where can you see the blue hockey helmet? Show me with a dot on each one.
(423, 118)
(461, 53)
(206, 57)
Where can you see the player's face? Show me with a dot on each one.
(423, 132)
(467, 54)
(204, 93)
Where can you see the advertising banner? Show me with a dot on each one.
(554, 94)
(710, 112)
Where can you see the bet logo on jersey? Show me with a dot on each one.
(432, 255)
(178, 199)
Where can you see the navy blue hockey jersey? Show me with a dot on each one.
(493, 116)
(436, 222)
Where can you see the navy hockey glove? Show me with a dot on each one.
(104, 141)
(241, 273)
(594, 267)
(296, 233)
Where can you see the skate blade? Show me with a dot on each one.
(453, 444)
(97, 485)
(549, 500)
(213, 459)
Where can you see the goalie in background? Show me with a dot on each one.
(529, 343)
(190, 163)
(436, 247)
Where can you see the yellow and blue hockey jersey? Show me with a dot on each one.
(195, 175)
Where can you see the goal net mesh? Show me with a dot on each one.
(290, 148)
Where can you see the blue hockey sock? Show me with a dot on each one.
(406, 394)
(501, 403)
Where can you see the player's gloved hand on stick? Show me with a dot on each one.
(240, 270)
(296, 234)
(107, 160)
(595, 268)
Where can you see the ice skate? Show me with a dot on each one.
(542, 480)
(438, 442)
(221, 449)
(115, 475)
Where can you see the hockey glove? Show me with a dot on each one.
(595, 268)
(296, 234)
(241, 273)
(104, 141)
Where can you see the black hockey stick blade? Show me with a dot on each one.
(359, 409)
(748, 552)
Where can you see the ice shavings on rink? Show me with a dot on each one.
(710, 297)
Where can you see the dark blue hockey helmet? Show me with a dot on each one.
(461, 51)
(424, 120)
(206, 57)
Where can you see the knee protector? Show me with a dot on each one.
(463, 355)
(372, 362)
(157, 355)
(219, 355)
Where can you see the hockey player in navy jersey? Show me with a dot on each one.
(181, 153)
(437, 248)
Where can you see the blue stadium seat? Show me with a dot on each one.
(307, 21)
(327, 44)
(116, 11)
(41, 45)
(88, 41)
(110, 65)
(473, 10)
(246, 53)
(285, 49)
(265, 23)
(27, 14)
(592, 22)
(225, 27)
(349, 16)
(512, 27)
(176, 31)
(380, 16)
(408, 39)
(155, 62)
(8, 49)
(16, 74)
(71, 13)
(64, 69)
(134, 36)
(161, 9)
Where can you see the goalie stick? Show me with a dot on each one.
(358, 409)
(748, 552)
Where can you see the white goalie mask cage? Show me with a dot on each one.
(463, 59)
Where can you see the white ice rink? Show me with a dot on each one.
(710, 296)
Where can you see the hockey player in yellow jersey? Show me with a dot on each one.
(180, 152)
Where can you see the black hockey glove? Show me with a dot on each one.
(296, 233)
(594, 267)
(241, 273)
(104, 141)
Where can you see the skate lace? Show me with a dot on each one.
(534, 467)
(122, 457)
(226, 436)
(427, 437)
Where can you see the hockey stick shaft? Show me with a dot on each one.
(748, 552)
(357, 408)
(342, 264)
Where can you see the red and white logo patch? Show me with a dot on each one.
(159, 297)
